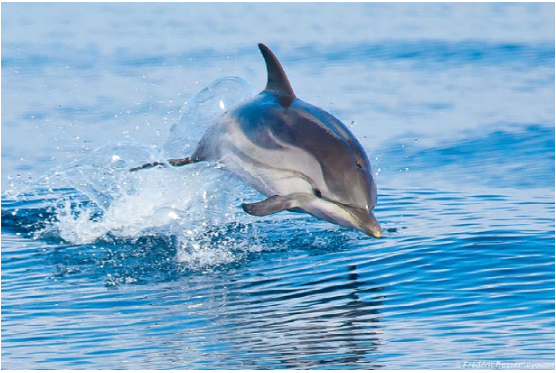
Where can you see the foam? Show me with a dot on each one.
(197, 204)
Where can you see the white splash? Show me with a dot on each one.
(195, 204)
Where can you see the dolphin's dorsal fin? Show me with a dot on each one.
(278, 82)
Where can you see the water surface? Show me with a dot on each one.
(454, 104)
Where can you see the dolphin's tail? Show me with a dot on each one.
(173, 162)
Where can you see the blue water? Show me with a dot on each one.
(162, 269)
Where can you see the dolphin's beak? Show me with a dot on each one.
(367, 222)
(344, 215)
(372, 227)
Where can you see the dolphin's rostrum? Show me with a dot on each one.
(299, 156)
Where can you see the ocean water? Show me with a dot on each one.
(106, 269)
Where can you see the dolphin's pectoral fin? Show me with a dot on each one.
(275, 204)
(173, 162)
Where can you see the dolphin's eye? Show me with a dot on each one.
(316, 192)
(358, 164)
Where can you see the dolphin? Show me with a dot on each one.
(299, 156)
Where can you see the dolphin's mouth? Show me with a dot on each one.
(345, 215)
(365, 221)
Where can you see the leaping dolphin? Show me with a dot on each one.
(299, 156)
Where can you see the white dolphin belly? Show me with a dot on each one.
(270, 171)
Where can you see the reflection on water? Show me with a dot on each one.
(314, 324)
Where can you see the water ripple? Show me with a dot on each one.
(426, 53)
(299, 303)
